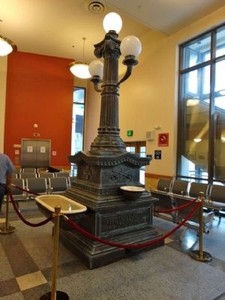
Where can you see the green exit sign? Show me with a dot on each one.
(129, 132)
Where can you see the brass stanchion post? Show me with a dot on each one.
(55, 252)
(55, 295)
(6, 228)
(201, 255)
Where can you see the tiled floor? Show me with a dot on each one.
(166, 272)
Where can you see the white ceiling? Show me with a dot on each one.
(56, 27)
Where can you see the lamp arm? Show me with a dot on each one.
(130, 62)
(97, 89)
(127, 74)
(96, 81)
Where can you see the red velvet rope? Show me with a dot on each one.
(190, 202)
(23, 219)
(132, 246)
(110, 243)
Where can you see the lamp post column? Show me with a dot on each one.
(108, 141)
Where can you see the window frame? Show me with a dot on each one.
(84, 114)
(181, 132)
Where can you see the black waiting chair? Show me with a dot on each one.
(197, 190)
(216, 199)
(198, 187)
(217, 193)
(164, 185)
(64, 174)
(15, 175)
(28, 175)
(36, 186)
(18, 189)
(162, 194)
(58, 185)
(28, 170)
(46, 175)
(180, 187)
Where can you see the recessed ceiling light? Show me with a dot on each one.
(95, 7)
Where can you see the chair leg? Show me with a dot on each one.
(219, 216)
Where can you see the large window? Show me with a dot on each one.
(138, 148)
(77, 137)
(201, 123)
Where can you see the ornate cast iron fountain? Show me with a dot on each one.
(108, 166)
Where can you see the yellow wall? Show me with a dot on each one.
(149, 97)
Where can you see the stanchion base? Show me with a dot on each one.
(4, 230)
(59, 296)
(195, 254)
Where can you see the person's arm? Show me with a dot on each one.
(11, 169)
(8, 179)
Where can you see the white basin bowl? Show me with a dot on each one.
(132, 192)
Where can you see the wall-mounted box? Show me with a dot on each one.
(150, 135)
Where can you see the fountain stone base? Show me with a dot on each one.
(110, 215)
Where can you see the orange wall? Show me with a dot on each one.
(39, 91)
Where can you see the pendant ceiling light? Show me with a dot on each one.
(80, 70)
(6, 46)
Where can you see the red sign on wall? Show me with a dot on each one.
(163, 140)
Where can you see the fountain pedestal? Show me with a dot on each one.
(110, 215)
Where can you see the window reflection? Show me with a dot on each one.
(140, 149)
